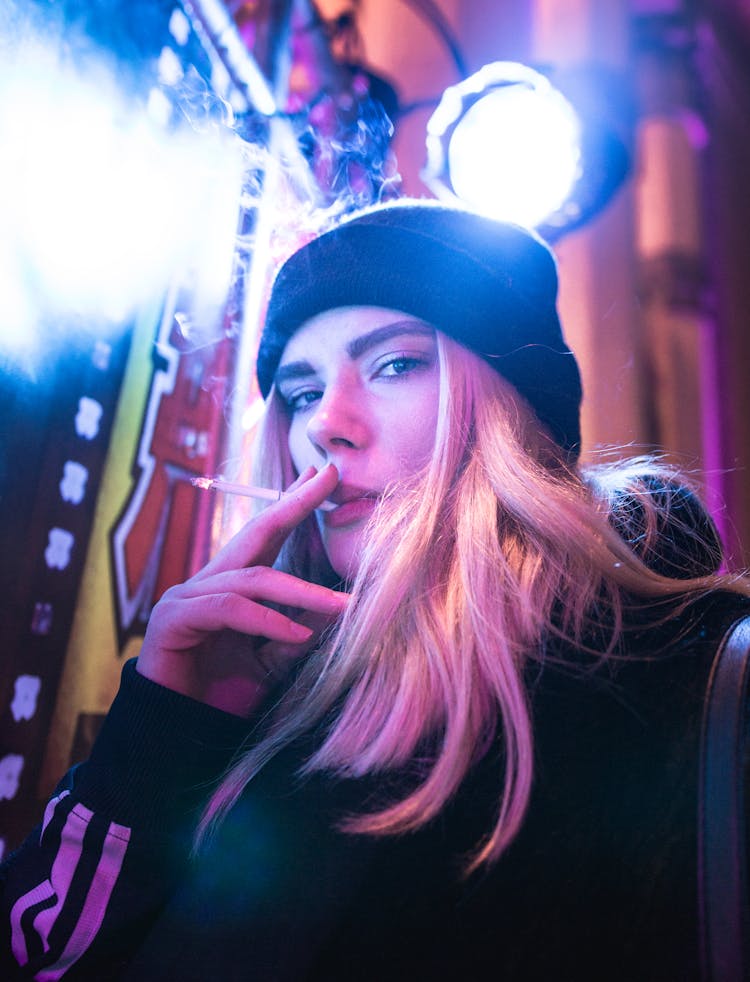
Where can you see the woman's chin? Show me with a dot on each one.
(343, 548)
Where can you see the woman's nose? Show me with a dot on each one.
(339, 420)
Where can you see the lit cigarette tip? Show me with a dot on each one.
(202, 482)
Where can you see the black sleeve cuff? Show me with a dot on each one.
(159, 754)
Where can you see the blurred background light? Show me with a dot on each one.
(102, 206)
(508, 143)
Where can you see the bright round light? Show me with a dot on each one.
(101, 208)
(514, 153)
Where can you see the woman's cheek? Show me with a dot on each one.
(301, 449)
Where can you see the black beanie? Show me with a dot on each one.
(489, 285)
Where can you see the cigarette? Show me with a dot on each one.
(247, 491)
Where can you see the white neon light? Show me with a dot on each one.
(101, 207)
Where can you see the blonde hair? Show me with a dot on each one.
(466, 574)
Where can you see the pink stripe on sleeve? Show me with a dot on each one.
(58, 884)
(95, 905)
(50, 809)
(57, 887)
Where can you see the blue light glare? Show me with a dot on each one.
(101, 207)
(506, 144)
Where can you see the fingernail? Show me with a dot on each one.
(301, 632)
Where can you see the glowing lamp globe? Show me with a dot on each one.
(504, 143)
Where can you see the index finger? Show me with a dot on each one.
(259, 542)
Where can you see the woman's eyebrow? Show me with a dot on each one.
(357, 347)
(292, 370)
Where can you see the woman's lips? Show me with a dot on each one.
(354, 509)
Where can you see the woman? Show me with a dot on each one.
(434, 714)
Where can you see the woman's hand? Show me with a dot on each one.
(192, 644)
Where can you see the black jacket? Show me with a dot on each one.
(599, 884)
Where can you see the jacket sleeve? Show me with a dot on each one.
(83, 889)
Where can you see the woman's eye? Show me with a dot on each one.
(400, 366)
(297, 401)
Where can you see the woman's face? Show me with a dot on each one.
(361, 388)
